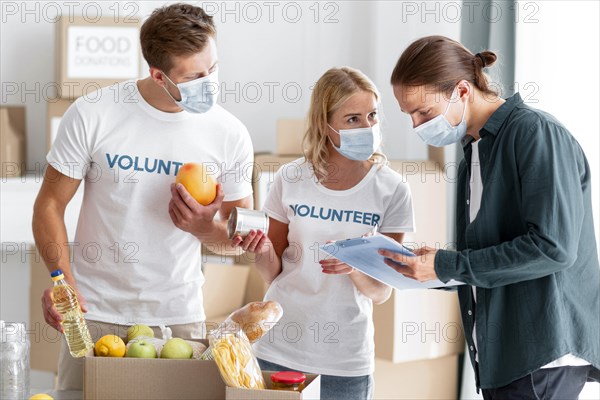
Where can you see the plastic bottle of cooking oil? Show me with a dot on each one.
(66, 303)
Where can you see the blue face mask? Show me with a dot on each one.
(358, 144)
(439, 132)
(197, 96)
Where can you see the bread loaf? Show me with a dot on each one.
(256, 318)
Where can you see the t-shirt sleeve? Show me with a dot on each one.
(274, 206)
(70, 153)
(236, 179)
(399, 214)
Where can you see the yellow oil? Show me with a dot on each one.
(75, 329)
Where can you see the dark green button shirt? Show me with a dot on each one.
(531, 250)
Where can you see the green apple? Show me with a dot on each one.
(138, 331)
(141, 349)
(176, 348)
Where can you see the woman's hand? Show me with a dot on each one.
(333, 266)
(256, 242)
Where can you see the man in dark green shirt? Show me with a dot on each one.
(531, 300)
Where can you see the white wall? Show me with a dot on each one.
(558, 66)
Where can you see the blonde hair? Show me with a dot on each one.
(332, 90)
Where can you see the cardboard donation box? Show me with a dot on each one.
(56, 110)
(125, 378)
(425, 379)
(96, 53)
(418, 325)
(13, 141)
(265, 168)
(290, 133)
(224, 290)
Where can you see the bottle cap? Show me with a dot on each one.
(288, 377)
(56, 273)
(13, 332)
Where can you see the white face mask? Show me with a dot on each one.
(358, 144)
(197, 96)
(439, 132)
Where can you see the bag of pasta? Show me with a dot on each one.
(233, 355)
(255, 319)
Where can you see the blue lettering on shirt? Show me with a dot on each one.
(335, 215)
(151, 165)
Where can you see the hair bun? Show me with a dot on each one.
(486, 58)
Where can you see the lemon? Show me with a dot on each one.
(110, 346)
(41, 396)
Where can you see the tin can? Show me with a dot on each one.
(242, 221)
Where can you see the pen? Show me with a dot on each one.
(374, 231)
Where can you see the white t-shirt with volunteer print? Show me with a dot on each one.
(327, 325)
(131, 263)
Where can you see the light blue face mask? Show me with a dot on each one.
(358, 144)
(439, 132)
(197, 96)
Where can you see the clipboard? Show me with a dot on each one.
(362, 254)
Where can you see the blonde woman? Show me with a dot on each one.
(342, 188)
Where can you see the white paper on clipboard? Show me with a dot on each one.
(362, 254)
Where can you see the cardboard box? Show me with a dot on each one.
(13, 141)
(312, 390)
(428, 185)
(94, 53)
(437, 155)
(56, 110)
(265, 167)
(426, 379)
(224, 289)
(418, 325)
(256, 287)
(289, 135)
(139, 378)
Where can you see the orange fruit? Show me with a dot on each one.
(110, 346)
(198, 182)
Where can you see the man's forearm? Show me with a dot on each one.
(50, 234)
